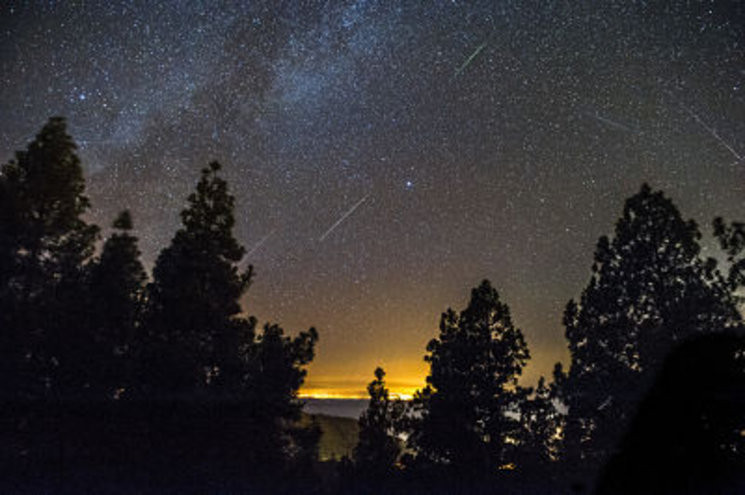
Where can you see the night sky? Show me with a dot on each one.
(387, 157)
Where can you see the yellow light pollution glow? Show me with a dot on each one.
(350, 388)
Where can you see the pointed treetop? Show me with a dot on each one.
(123, 221)
(55, 128)
(379, 373)
(212, 168)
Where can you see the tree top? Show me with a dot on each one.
(123, 221)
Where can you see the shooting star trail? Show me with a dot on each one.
(713, 132)
(612, 123)
(260, 243)
(343, 217)
(103, 142)
(470, 59)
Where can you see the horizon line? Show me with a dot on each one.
(343, 396)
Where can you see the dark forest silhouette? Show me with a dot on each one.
(114, 381)
(109, 382)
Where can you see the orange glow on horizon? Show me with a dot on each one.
(357, 389)
(403, 379)
(341, 394)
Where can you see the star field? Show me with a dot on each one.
(387, 156)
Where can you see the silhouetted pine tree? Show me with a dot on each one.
(464, 429)
(216, 401)
(195, 294)
(116, 287)
(273, 371)
(649, 289)
(206, 370)
(378, 447)
(44, 243)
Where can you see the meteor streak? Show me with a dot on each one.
(611, 123)
(260, 243)
(343, 217)
(713, 132)
(470, 59)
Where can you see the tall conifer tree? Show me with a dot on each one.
(116, 288)
(475, 363)
(649, 289)
(44, 243)
(378, 448)
(195, 293)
